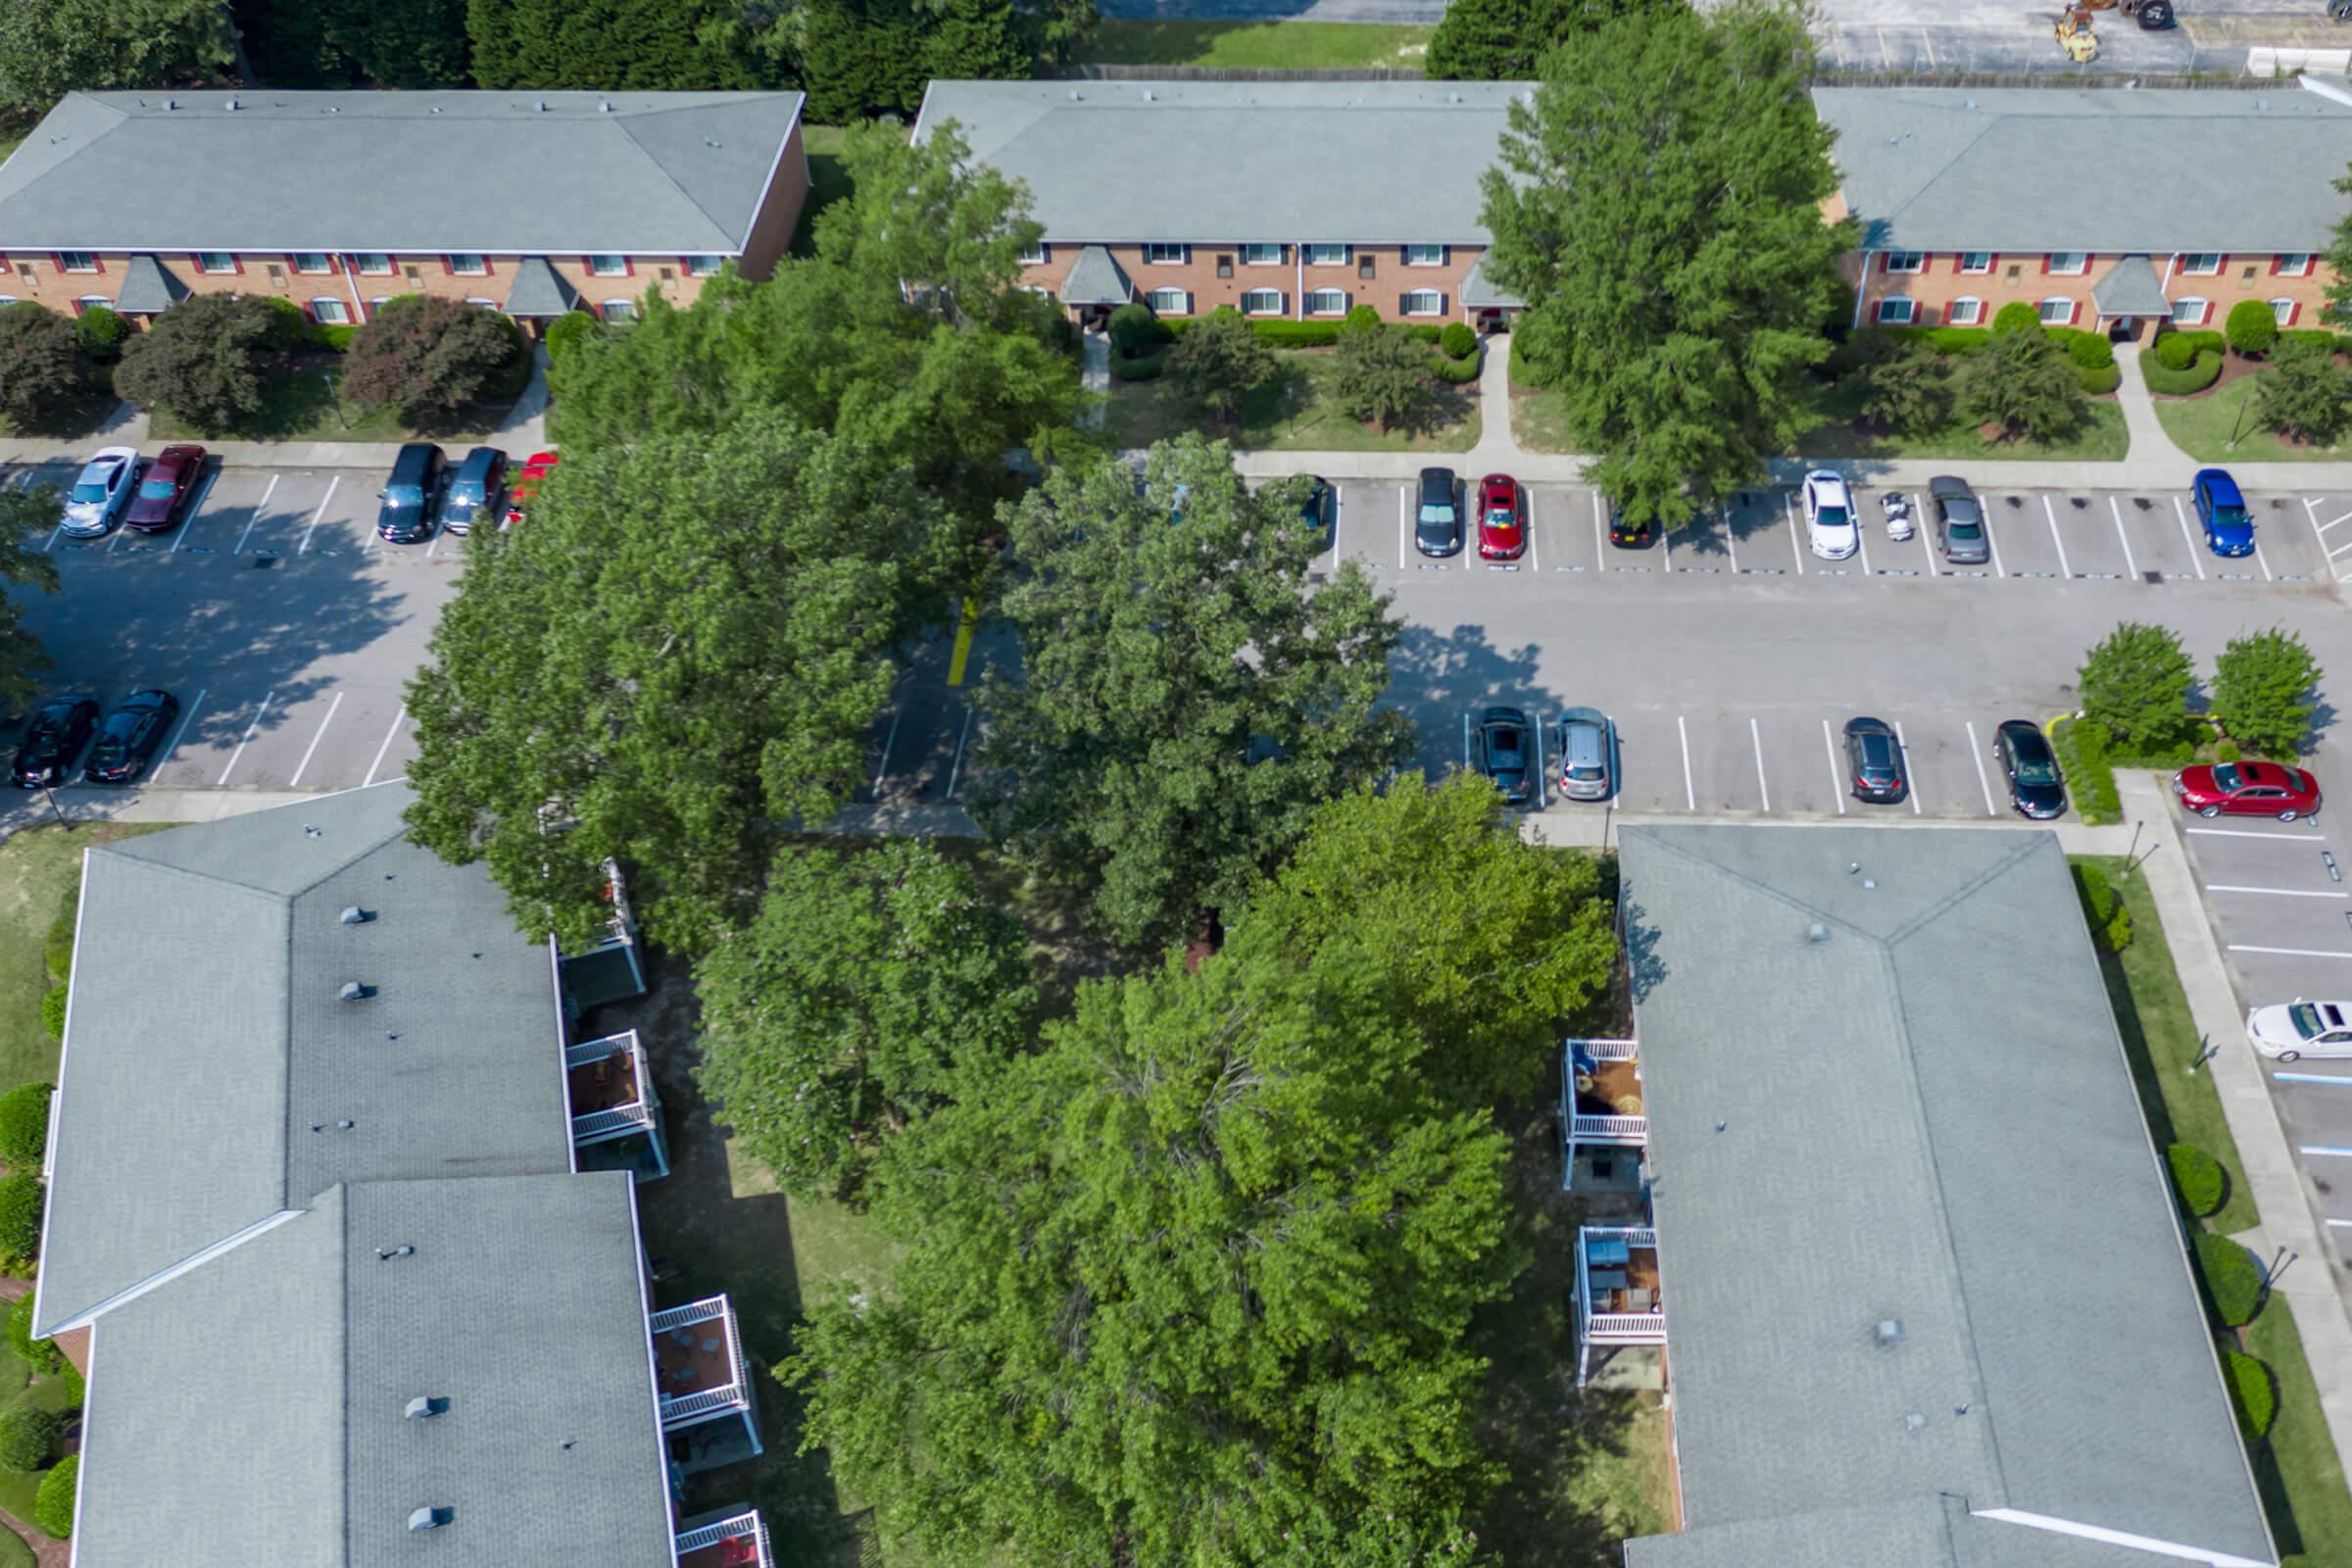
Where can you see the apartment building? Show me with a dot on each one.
(533, 203)
(2117, 209)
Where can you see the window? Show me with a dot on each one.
(1905, 261)
(2283, 312)
(608, 267)
(1424, 302)
(1261, 256)
(2191, 312)
(1327, 256)
(1965, 310)
(1327, 302)
(2201, 264)
(467, 265)
(378, 303)
(88, 299)
(1166, 255)
(1170, 302)
(8, 299)
(619, 310)
(1976, 261)
(2294, 264)
(206, 261)
(1424, 256)
(76, 261)
(310, 262)
(2067, 264)
(2057, 312)
(1895, 313)
(373, 263)
(476, 299)
(1262, 302)
(1033, 253)
(329, 311)
(702, 266)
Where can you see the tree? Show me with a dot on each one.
(44, 369)
(1505, 40)
(42, 1355)
(2023, 384)
(673, 662)
(27, 518)
(1183, 704)
(53, 1503)
(2264, 689)
(1906, 385)
(28, 1434)
(1659, 210)
(20, 1216)
(2305, 396)
(645, 45)
(1220, 362)
(205, 358)
(54, 48)
(2251, 328)
(2335, 262)
(427, 358)
(345, 43)
(2136, 684)
(24, 1126)
(1379, 373)
(841, 1015)
(1194, 1283)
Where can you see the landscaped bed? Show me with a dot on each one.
(1290, 415)
(302, 403)
(2209, 397)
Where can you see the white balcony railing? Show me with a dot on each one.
(637, 1115)
(1610, 1129)
(683, 1410)
(1605, 1049)
(746, 1524)
(1626, 1328)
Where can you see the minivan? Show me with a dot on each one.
(406, 515)
(473, 488)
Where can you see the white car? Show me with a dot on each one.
(1830, 528)
(2289, 1030)
(103, 489)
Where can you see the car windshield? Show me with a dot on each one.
(1832, 516)
(2305, 1017)
(89, 491)
(2227, 777)
(1591, 772)
(156, 490)
(2228, 518)
(110, 749)
(463, 494)
(1436, 511)
(401, 496)
(2032, 769)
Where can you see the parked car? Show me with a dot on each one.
(1438, 521)
(1959, 521)
(128, 739)
(1830, 529)
(1629, 535)
(2036, 788)
(525, 489)
(1503, 748)
(2247, 789)
(1502, 519)
(475, 488)
(406, 515)
(1874, 755)
(2228, 526)
(1319, 510)
(54, 737)
(1588, 755)
(171, 479)
(2289, 1031)
(100, 492)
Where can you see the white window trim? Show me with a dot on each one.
(1274, 260)
(2042, 311)
(619, 269)
(204, 264)
(328, 302)
(1976, 312)
(1910, 311)
(1182, 307)
(1437, 261)
(1436, 299)
(2190, 268)
(327, 268)
(1314, 295)
(1184, 254)
(1279, 304)
(450, 261)
(1918, 261)
(2204, 310)
(90, 257)
(2283, 311)
(2304, 270)
(83, 302)
(626, 309)
(1967, 271)
(1315, 258)
(1036, 255)
(2082, 264)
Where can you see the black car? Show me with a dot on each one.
(1874, 755)
(478, 485)
(2036, 788)
(1630, 535)
(409, 495)
(1438, 520)
(128, 739)
(1316, 511)
(53, 738)
(1502, 747)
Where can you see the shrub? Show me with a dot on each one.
(2015, 317)
(1382, 374)
(426, 357)
(2135, 681)
(335, 337)
(2251, 327)
(27, 1435)
(1523, 370)
(2227, 752)
(1457, 341)
(564, 332)
(2088, 350)
(44, 369)
(1142, 367)
(2202, 373)
(1424, 332)
(20, 1216)
(2306, 396)
(76, 1389)
(2232, 1279)
(2088, 744)
(2099, 380)
(42, 1355)
(1455, 372)
(24, 1125)
(2110, 921)
(53, 1504)
(53, 1013)
(102, 332)
(1221, 363)
(2022, 384)
(1298, 334)
(2252, 1391)
(1361, 318)
(207, 357)
(1133, 328)
(2198, 1177)
(2264, 690)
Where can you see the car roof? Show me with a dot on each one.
(1504, 715)
(1945, 484)
(1864, 724)
(2224, 488)
(480, 457)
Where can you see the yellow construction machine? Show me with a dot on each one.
(2075, 36)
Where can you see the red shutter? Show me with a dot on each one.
(2221, 264)
(2276, 262)
(447, 269)
(2074, 311)
(2045, 263)
(58, 262)
(2294, 309)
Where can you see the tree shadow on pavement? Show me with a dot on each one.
(1437, 677)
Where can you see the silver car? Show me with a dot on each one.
(1588, 755)
(102, 491)
(1959, 521)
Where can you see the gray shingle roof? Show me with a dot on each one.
(1355, 162)
(146, 288)
(207, 1036)
(539, 290)
(661, 174)
(2131, 287)
(1919, 1533)
(1925, 1117)
(2049, 169)
(1096, 278)
(251, 1410)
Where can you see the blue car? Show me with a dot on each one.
(2228, 529)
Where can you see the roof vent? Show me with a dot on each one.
(1889, 1332)
(170, 103)
(334, 109)
(1149, 96)
(385, 1255)
(1870, 881)
(427, 1405)
(708, 142)
(1528, 97)
(352, 991)
(234, 106)
(431, 1518)
(540, 107)
(1817, 932)
(1968, 103)
(1074, 98)
(353, 915)
(1912, 1422)
(604, 106)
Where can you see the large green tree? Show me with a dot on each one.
(1195, 1284)
(428, 358)
(670, 662)
(840, 1015)
(27, 518)
(1183, 704)
(2306, 395)
(205, 358)
(2336, 263)
(49, 48)
(2135, 681)
(1659, 208)
(45, 373)
(340, 43)
(2021, 384)
(649, 46)
(1492, 40)
(2264, 690)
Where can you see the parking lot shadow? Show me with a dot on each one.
(1436, 677)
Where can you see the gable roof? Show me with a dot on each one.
(2046, 169)
(496, 172)
(210, 1062)
(1925, 1117)
(1338, 161)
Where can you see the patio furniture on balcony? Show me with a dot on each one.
(1600, 1099)
(703, 1378)
(1618, 1294)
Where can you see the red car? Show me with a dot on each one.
(2248, 788)
(526, 485)
(1502, 519)
(169, 482)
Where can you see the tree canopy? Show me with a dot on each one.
(26, 519)
(49, 48)
(2136, 682)
(45, 371)
(1505, 40)
(2264, 690)
(428, 358)
(1183, 704)
(1659, 210)
(2022, 384)
(204, 358)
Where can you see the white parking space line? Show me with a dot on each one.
(1666, 545)
(2064, 571)
(1690, 793)
(317, 736)
(56, 533)
(248, 736)
(304, 547)
(1837, 776)
(956, 771)
(1927, 552)
(1756, 738)
(2277, 893)
(187, 717)
(1992, 542)
(397, 719)
(2256, 833)
(1795, 546)
(1535, 557)
(2116, 508)
(1731, 545)
(1862, 543)
(2188, 539)
(2325, 526)
(888, 741)
(2289, 953)
(2263, 561)
(1403, 530)
(2340, 1080)
(1600, 541)
(2328, 1150)
(267, 491)
(187, 518)
(1910, 773)
(1339, 514)
(1976, 751)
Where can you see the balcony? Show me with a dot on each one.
(611, 968)
(732, 1537)
(1600, 1101)
(1619, 1294)
(611, 1089)
(705, 1380)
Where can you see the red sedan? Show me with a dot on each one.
(1502, 519)
(155, 506)
(525, 487)
(2248, 788)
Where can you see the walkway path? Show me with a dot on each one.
(1094, 375)
(524, 431)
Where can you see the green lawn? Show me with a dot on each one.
(828, 181)
(20, 1387)
(1540, 421)
(304, 406)
(2102, 440)
(2297, 1469)
(2201, 426)
(36, 867)
(1259, 45)
(1290, 416)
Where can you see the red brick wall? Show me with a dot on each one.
(75, 1343)
(779, 211)
(1198, 274)
(2022, 276)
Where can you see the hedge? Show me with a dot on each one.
(53, 1504)
(1279, 331)
(102, 332)
(42, 1355)
(2198, 1177)
(564, 332)
(24, 1125)
(1142, 367)
(2201, 374)
(2251, 327)
(1456, 371)
(21, 1217)
(334, 337)
(2176, 351)
(2083, 747)
(1421, 332)
(2110, 921)
(2089, 350)
(2099, 380)
(53, 1011)
(2252, 1391)
(2232, 1279)
(1457, 341)
(27, 1435)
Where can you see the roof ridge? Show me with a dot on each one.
(664, 171)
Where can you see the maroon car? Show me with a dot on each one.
(1501, 519)
(2248, 788)
(165, 489)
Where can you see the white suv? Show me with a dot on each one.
(1830, 529)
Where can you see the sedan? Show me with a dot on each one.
(2289, 1031)
(128, 739)
(2247, 789)
(535, 469)
(1874, 755)
(2035, 786)
(1829, 530)
(1625, 535)
(1959, 521)
(1502, 519)
(2229, 527)
(1438, 520)
(53, 739)
(1319, 510)
(96, 501)
(171, 479)
(1502, 747)
(1588, 755)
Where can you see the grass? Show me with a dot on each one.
(2297, 1469)
(828, 181)
(1260, 45)
(303, 405)
(2104, 439)
(2201, 426)
(21, 1387)
(1540, 421)
(36, 867)
(1292, 414)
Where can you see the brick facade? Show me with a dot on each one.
(1947, 278)
(1212, 274)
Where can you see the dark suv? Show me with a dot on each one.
(1874, 755)
(407, 513)
(1438, 520)
(476, 487)
(59, 731)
